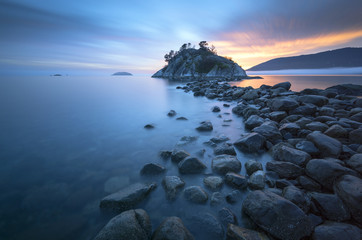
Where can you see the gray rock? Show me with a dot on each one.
(172, 228)
(287, 154)
(317, 126)
(308, 147)
(131, 224)
(253, 121)
(326, 171)
(357, 117)
(215, 109)
(128, 197)
(233, 196)
(172, 185)
(238, 109)
(252, 142)
(225, 148)
(257, 180)
(302, 122)
(324, 119)
(284, 169)
(236, 180)
(179, 155)
(196, 194)
(219, 139)
(355, 162)
(313, 99)
(227, 217)
(330, 206)
(238, 233)
(270, 132)
(216, 199)
(276, 215)
(191, 165)
(283, 183)
(291, 128)
(213, 182)
(252, 166)
(355, 136)
(205, 226)
(152, 169)
(326, 111)
(250, 95)
(171, 113)
(283, 104)
(205, 126)
(329, 147)
(298, 197)
(306, 109)
(149, 126)
(285, 85)
(165, 154)
(349, 189)
(336, 231)
(223, 164)
(278, 115)
(309, 184)
(182, 118)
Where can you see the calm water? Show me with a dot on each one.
(66, 142)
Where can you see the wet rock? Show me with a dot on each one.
(355, 162)
(330, 206)
(225, 148)
(172, 186)
(171, 113)
(227, 217)
(238, 233)
(219, 139)
(128, 197)
(182, 118)
(205, 226)
(309, 184)
(355, 136)
(306, 109)
(283, 183)
(336, 231)
(215, 109)
(349, 189)
(233, 196)
(223, 164)
(131, 224)
(329, 147)
(308, 147)
(326, 111)
(252, 166)
(253, 121)
(186, 140)
(302, 122)
(213, 182)
(278, 115)
(270, 132)
(165, 154)
(313, 99)
(205, 126)
(297, 196)
(172, 228)
(285, 85)
(326, 171)
(179, 155)
(152, 169)
(357, 117)
(236, 180)
(291, 128)
(196, 194)
(191, 165)
(238, 109)
(317, 126)
(276, 215)
(283, 104)
(324, 119)
(287, 154)
(284, 169)
(250, 95)
(252, 142)
(226, 105)
(257, 180)
(216, 199)
(149, 126)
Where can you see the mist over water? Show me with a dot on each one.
(66, 142)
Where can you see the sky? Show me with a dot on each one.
(42, 36)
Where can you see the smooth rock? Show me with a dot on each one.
(283, 104)
(278, 115)
(257, 180)
(205, 126)
(215, 109)
(171, 113)
(251, 142)
(179, 155)
(149, 126)
(196, 194)
(204, 225)
(191, 165)
(172, 228)
(253, 121)
(172, 185)
(233, 196)
(152, 169)
(306, 109)
(285, 85)
(330, 206)
(238, 233)
(309, 184)
(213, 182)
(216, 199)
(223, 164)
(287, 154)
(182, 118)
(326, 111)
(313, 99)
(329, 147)
(284, 169)
(269, 131)
(355, 136)
(291, 128)
(355, 162)
(236, 180)
(227, 217)
(308, 147)
(252, 166)
(336, 231)
(165, 154)
(225, 148)
(317, 126)
(219, 139)
(357, 117)
(298, 197)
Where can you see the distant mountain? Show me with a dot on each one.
(344, 57)
(122, 74)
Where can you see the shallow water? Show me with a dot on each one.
(66, 142)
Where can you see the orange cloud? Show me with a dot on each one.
(250, 49)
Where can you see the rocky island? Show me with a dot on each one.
(122, 74)
(193, 64)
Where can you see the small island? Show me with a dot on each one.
(122, 74)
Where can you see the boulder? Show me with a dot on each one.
(313, 99)
(355, 136)
(205, 126)
(215, 109)
(298, 197)
(225, 148)
(152, 169)
(278, 115)
(284, 169)
(270, 132)
(308, 147)
(330, 206)
(250, 95)
(227, 217)
(291, 128)
(287, 154)
(283, 104)
(276, 215)
(131, 224)
(179, 155)
(357, 117)
(326, 171)
(213, 182)
(253, 121)
(317, 126)
(172, 185)
(191, 165)
(349, 189)
(306, 109)
(252, 166)
(128, 197)
(336, 131)
(238, 233)
(257, 180)
(326, 111)
(233, 196)
(223, 164)
(165, 154)
(285, 85)
(309, 184)
(205, 226)
(251, 142)
(195, 194)
(219, 139)
(172, 228)
(236, 180)
(329, 147)
(336, 231)
(355, 162)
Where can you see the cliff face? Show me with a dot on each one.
(192, 64)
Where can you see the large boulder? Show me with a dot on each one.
(128, 197)
(252, 142)
(253, 121)
(336, 231)
(276, 215)
(349, 189)
(269, 131)
(330, 206)
(131, 224)
(172, 185)
(329, 147)
(191, 165)
(204, 225)
(223, 164)
(283, 104)
(326, 171)
(285, 85)
(297, 196)
(313, 99)
(236, 180)
(287, 154)
(172, 228)
(205, 126)
(284, 169)
(196, 194)
(257, 180)
(238, 233)
(179, 155)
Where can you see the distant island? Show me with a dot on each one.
(56, 75)
(122, 74)
(191, 64)
(339, 58)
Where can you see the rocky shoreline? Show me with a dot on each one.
(311, 190)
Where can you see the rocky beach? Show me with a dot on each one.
(312, 188)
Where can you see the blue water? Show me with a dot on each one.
(66, 142)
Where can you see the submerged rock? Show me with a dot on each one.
(172, 185)
(191, 165)
(179, 155)
(213, 182)
(223, 164)
(238, 233)
(171, 113)
(152, 169)
(252, 142)
(205, 126)
(172, 228)
(236, 180)
(196, 194)
(252, 166)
